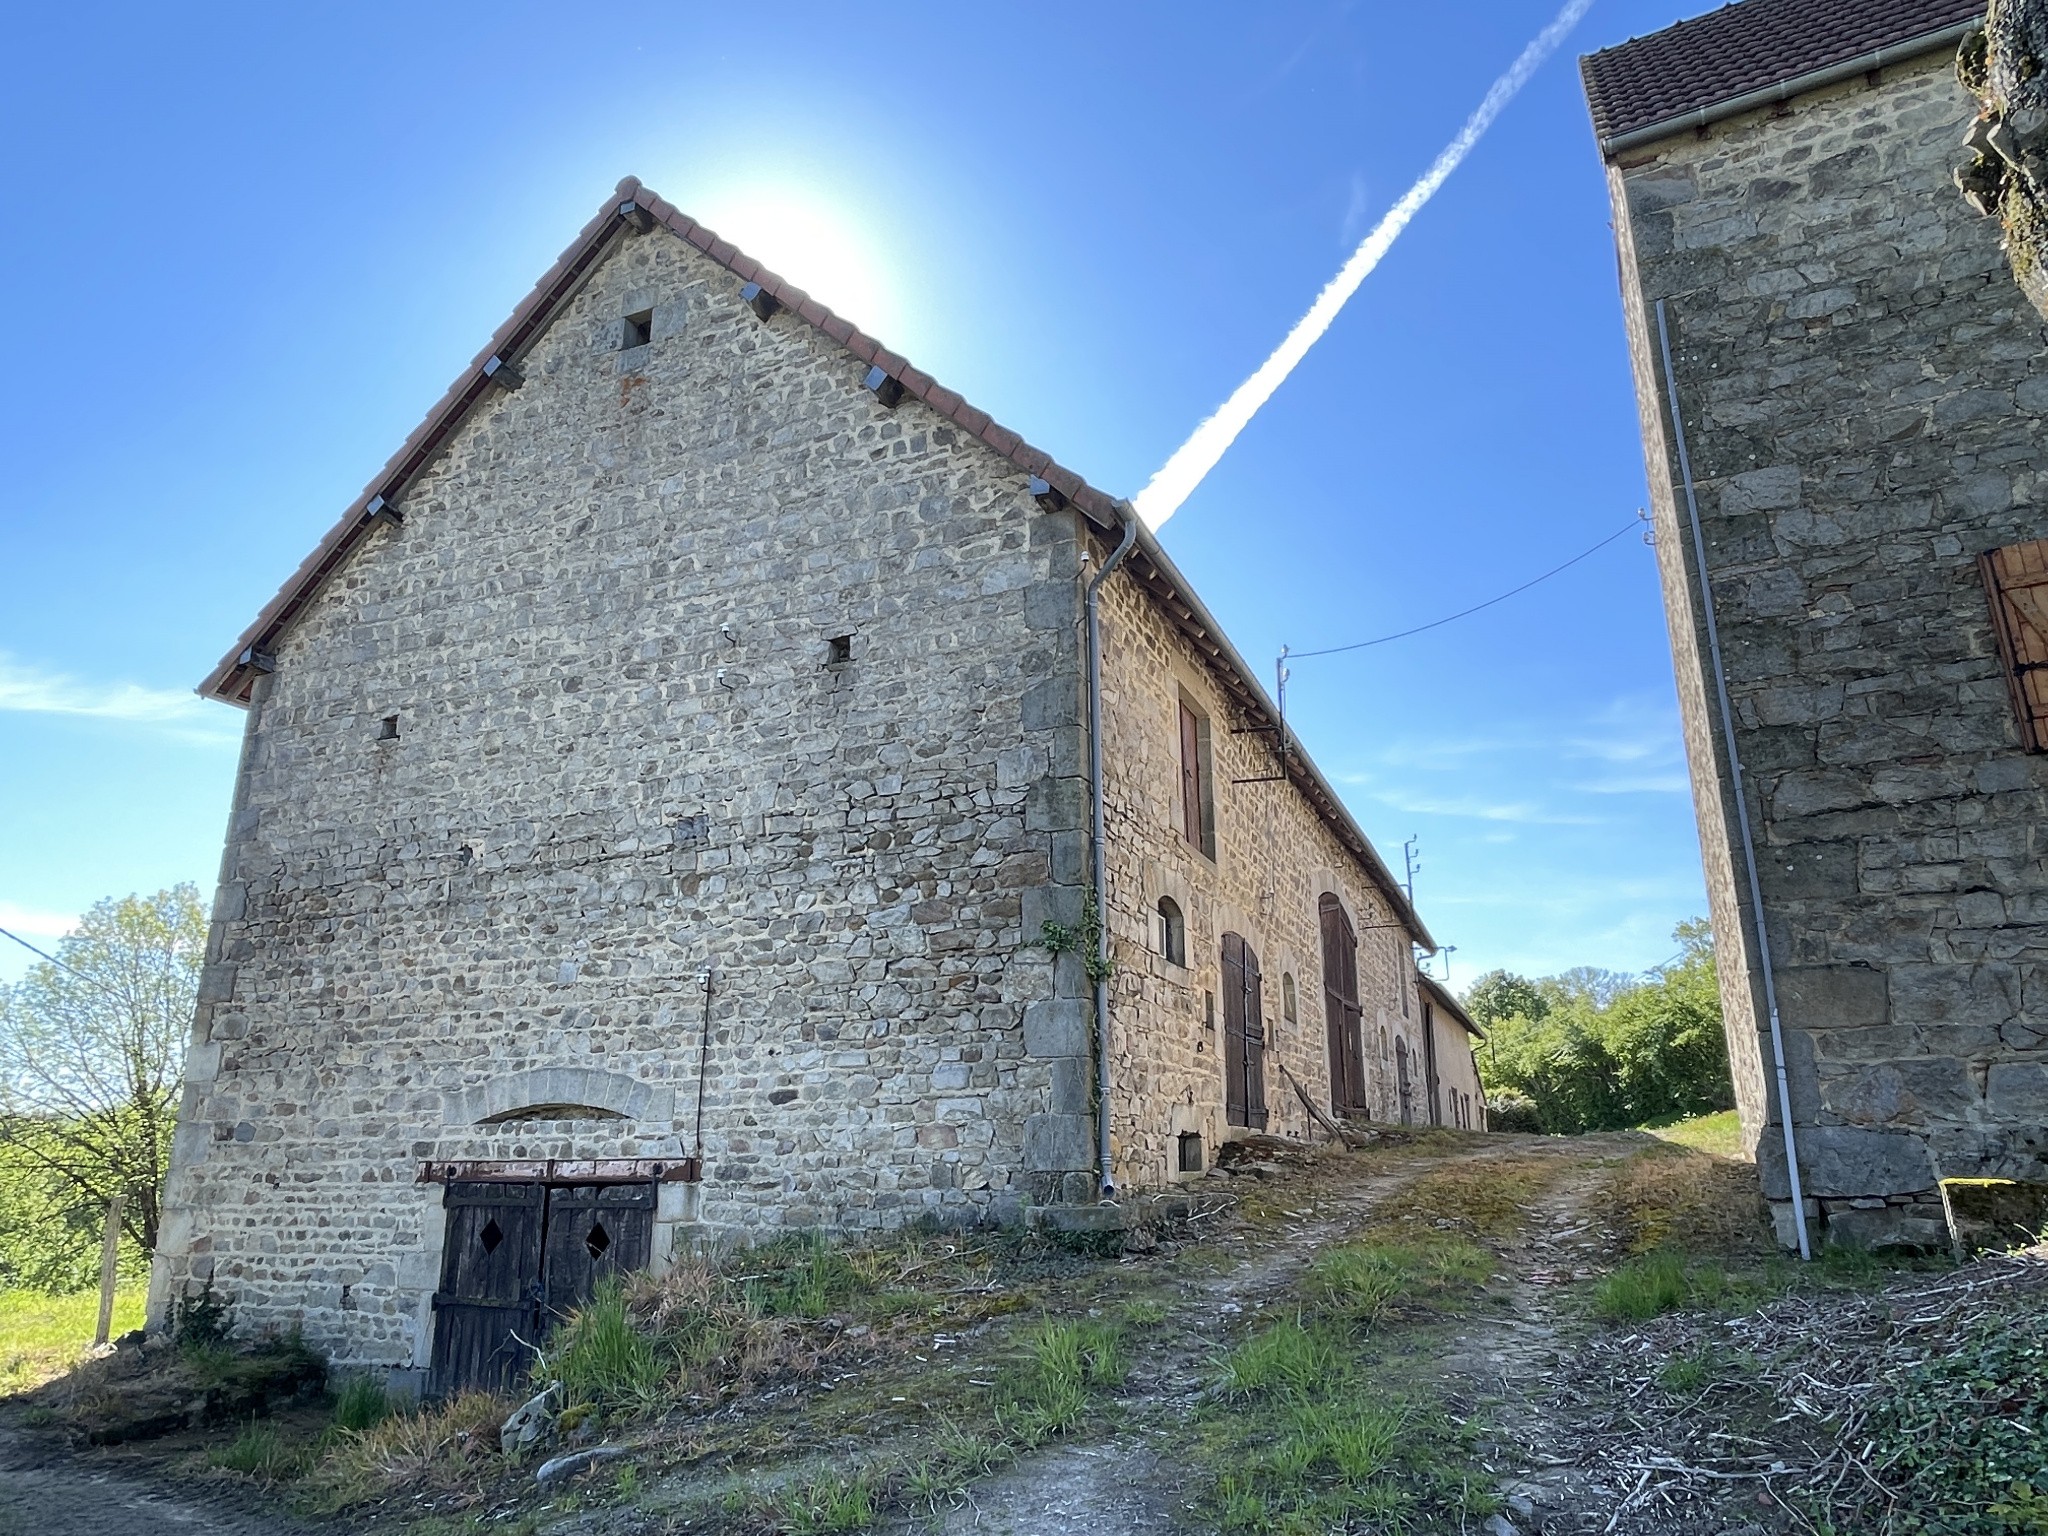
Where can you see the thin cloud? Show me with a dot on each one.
(1639, 784)
(1470, 809)
(28, 690)
(31, 924)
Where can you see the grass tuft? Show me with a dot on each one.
(261, 1452)
(603, 1360)
(361, 1404)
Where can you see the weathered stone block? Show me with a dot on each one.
(1054, 1142)
(1841, 1162)
(1824, 997)
(1059, 1026)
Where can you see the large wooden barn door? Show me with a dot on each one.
(595, 1230)
(1341, 1013)
(1244, 1036)
(487, 1312)
(519, 1257)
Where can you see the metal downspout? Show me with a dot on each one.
(1100, 850)
(1756, 894)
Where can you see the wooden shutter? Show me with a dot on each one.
(2016, 577)
(1342, 1017)
(1233, 1030)
(1244, 1036)
(1191, 775)
(1254, 1042)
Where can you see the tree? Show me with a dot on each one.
(1595, 1050)
(1502, 995)
(91, 1053)
(2007, 177)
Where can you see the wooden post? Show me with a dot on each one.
(110, 1263)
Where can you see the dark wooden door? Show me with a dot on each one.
(595, 1230)
(1341, 1014)
(1244, 1036)
(1401, 1080)
(487, 1312)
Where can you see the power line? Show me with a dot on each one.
(1632, 523)
(74, 970)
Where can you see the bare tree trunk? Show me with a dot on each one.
(2005, 66)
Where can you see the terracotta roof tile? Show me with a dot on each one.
(1747, 47)
(231, 681)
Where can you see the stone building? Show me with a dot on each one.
(666, 813)
(1451, 1091)
(1842, 397)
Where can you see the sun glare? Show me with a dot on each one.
(803, 235)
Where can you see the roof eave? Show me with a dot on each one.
(1697, 118)
(234, 677)
(1450, 1003)
(1202, 627)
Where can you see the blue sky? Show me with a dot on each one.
(249, 246)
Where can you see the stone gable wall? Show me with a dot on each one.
(1275, 856)
(623, 755)
(1864, 393)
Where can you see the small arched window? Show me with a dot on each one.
(1173, 931)
(1287, 996)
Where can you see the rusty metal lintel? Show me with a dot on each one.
(565, 1170)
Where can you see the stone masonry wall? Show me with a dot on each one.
(623, 753)
(1863, 390)
(1275, 857)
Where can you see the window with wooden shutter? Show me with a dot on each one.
(1244, 1036)
(1342, 1016)
(1195, 822)
(2016, 577)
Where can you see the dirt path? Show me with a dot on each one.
(1129, 1485)
(46, 1491)
(1500, 1373)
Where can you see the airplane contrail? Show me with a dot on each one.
(1192, 461)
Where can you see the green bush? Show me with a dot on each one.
(1594, 1051)
(1963, 1432)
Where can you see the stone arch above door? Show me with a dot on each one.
(504, 1096)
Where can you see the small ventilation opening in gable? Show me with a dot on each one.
(838, 649)
(387, 728)
(639, 330)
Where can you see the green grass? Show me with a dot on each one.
(361, 1404)
(1304, 1434)
(603, 1361)
(260, 1451)
(43, 1336)
(1658, 1282)
(1719, 1133)
(1359, 1282)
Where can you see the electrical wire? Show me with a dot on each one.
(1632, 523)
(74, 970)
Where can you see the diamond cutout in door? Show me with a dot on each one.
(491, 1236)
(598, 1241)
